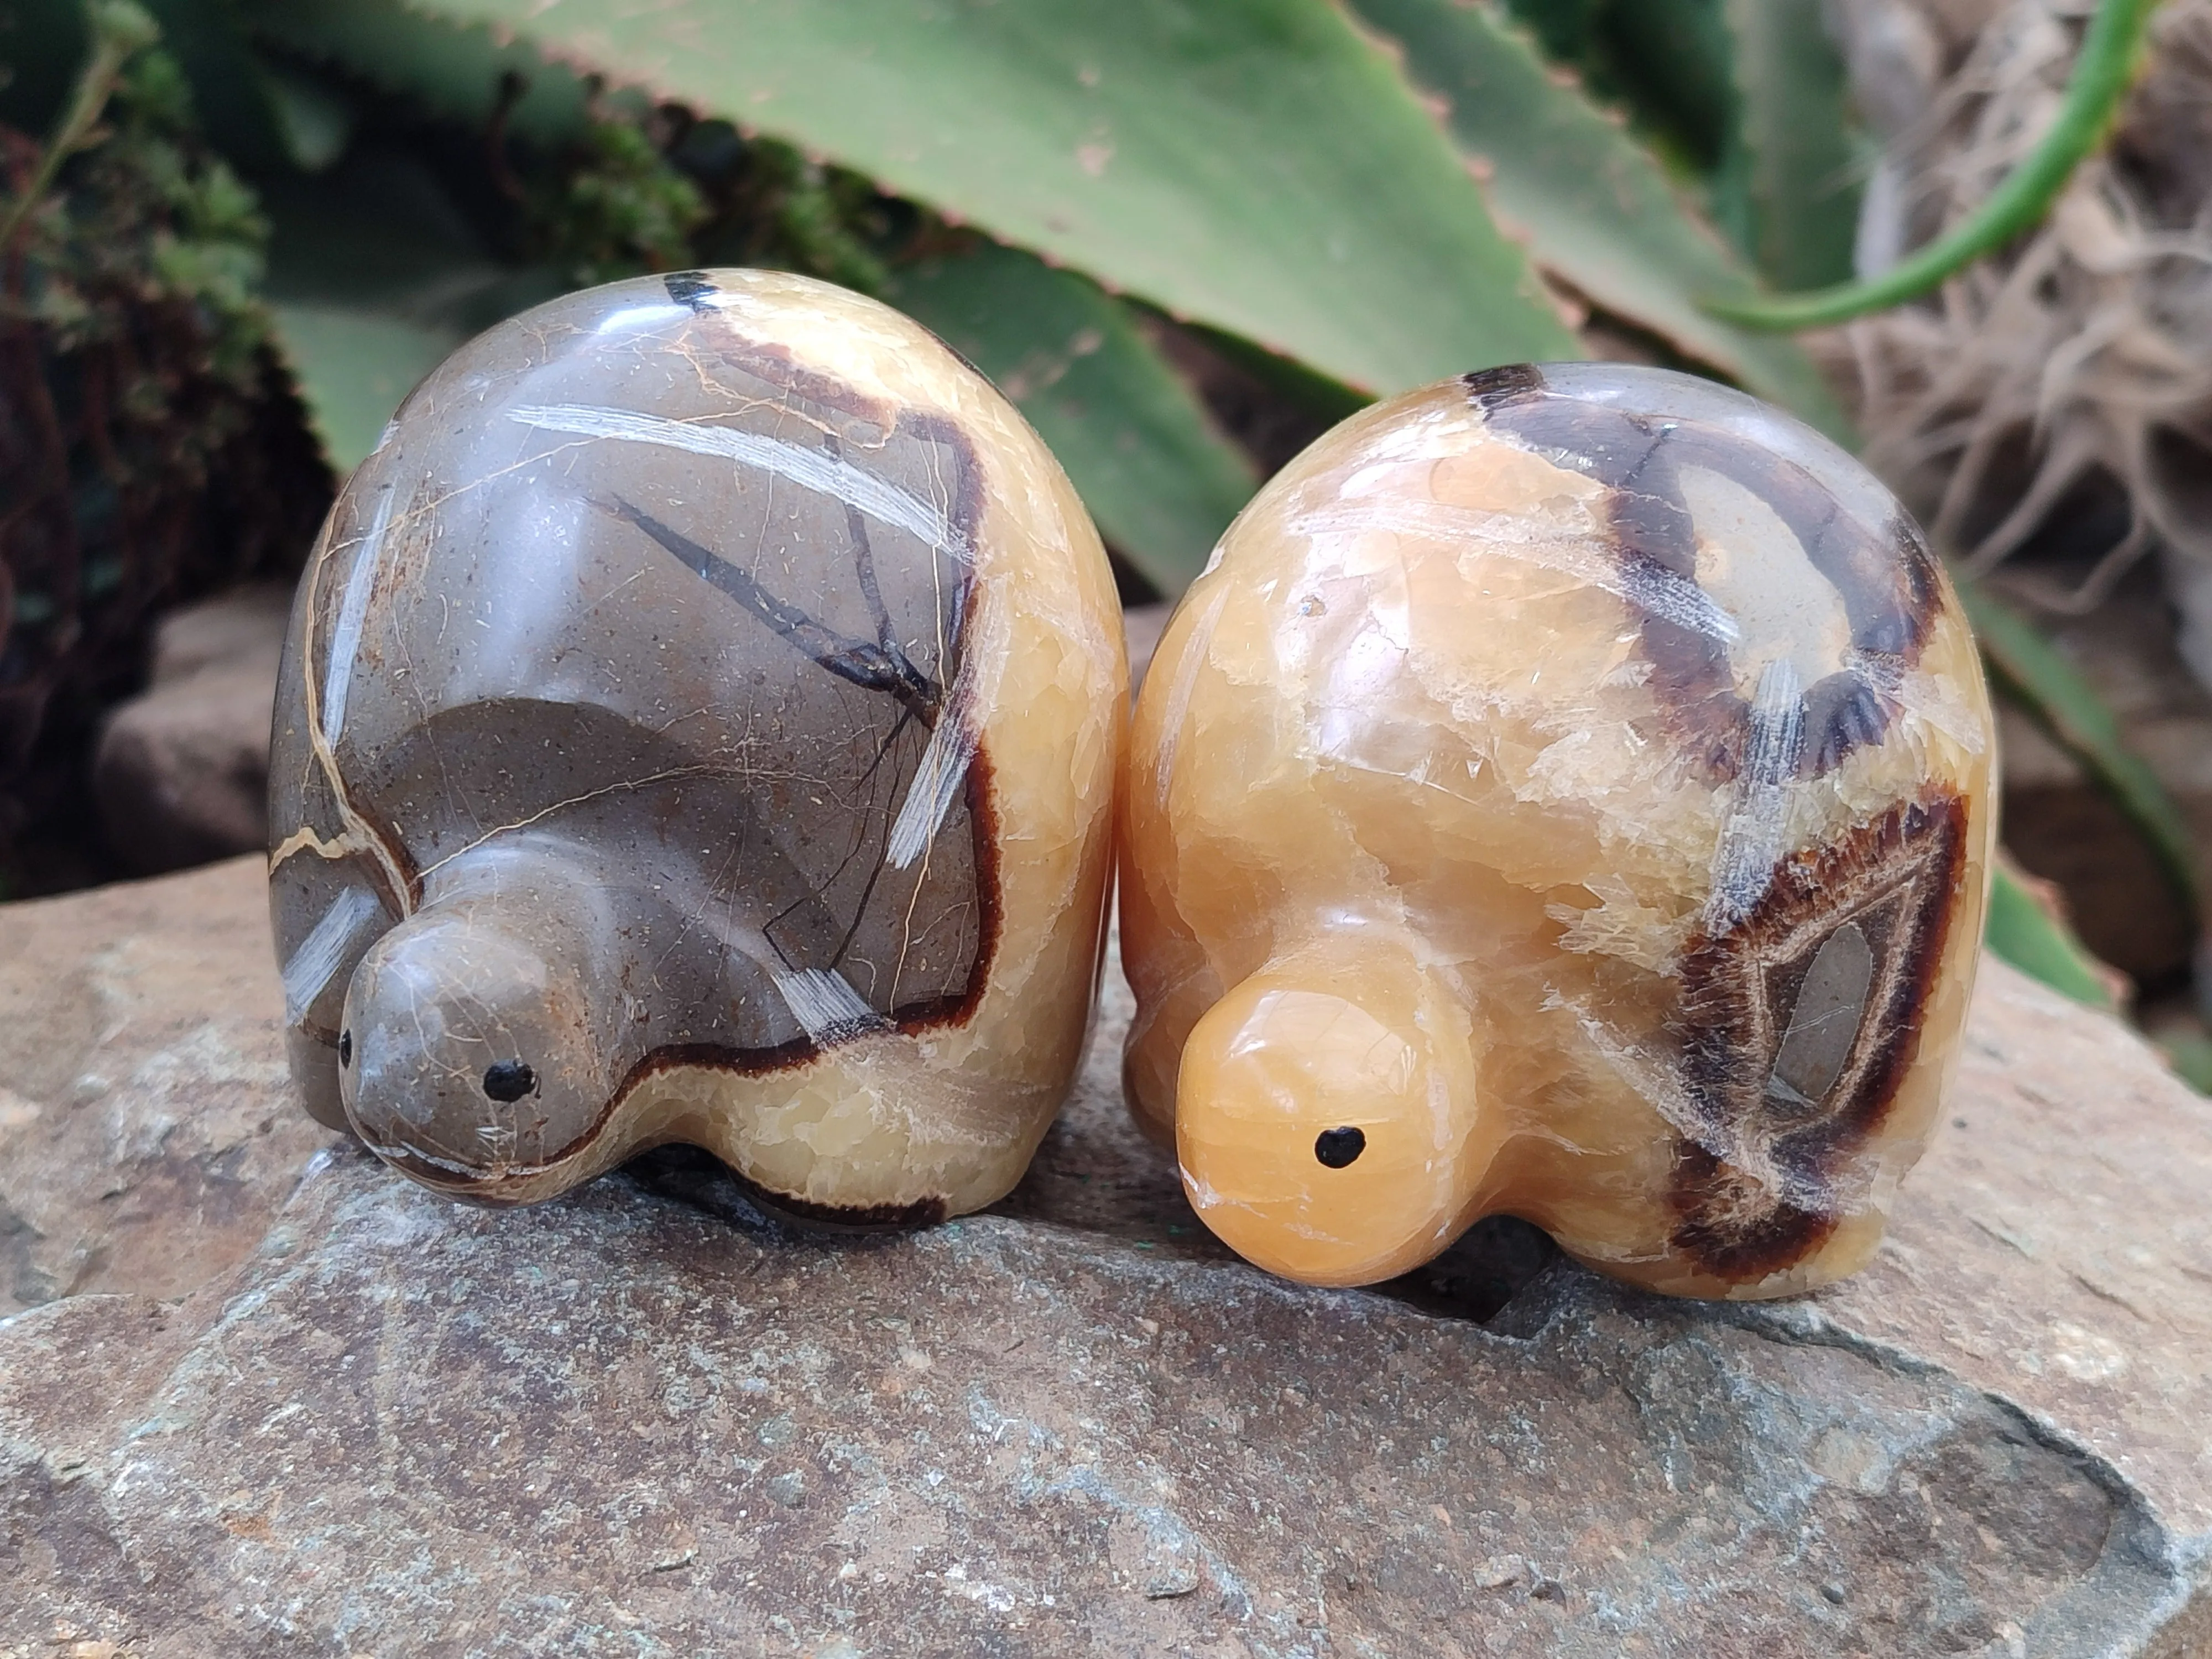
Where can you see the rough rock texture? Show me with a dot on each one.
(181, 774)
(643, 1420)
(148, 1136)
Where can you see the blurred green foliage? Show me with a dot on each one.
(149, 447)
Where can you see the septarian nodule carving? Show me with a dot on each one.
(1567, 793)
(699, 724)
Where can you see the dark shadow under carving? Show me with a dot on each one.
(699, 1180)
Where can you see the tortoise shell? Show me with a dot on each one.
(1567, 793)
(698, 724)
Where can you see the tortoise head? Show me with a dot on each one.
(1327, 1118)
(470, 1056)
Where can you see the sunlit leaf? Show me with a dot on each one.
(1257, 165)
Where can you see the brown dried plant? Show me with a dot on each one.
(2087, 347)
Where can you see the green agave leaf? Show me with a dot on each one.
(1795, 168)
(2032, 671)
(261, 121)
(229, 98)
(2190, 1054)
(1668, 65)
(315, 119)
(353, 367)
(2025, 934)
(374, 276)
(1567, 30)
(453, 72)
(1256, 165)
(1321, 400)
(1593, 203)
(261, 117)
(1160, 479)
(1673, 62)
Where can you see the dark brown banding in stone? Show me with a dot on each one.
(1490, 388)
(486, 1185)
(1651, 525)
(1843, 712)
(855, 1218)
(1690, 670)
(1884, 590)
(878, 419)
(689, 288)
(1734, 1228)
(810, 904)
(1886, 582)
(1745, 1180)
(1922, 574)
(911, 1019)
(403, 861)
(983, 813)
(489, 1187)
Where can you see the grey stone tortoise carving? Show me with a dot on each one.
(698, 723)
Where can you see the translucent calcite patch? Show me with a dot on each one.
(700, 723)
(1567, 792)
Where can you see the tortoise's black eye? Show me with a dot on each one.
(508, 1079)
(1337, 1147)
(345, 1048)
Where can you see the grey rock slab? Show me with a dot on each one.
(646, 1419)
(2055, 1247)
(621, 1423)
(181, 771)
(147, 1127)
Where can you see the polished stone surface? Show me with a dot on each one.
(1567, 793)
(699, 725)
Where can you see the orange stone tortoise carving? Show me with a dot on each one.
(1568, 794)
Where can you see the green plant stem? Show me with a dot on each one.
(119, 29)
(2102, 73)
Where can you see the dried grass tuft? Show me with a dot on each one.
(2087, 347)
